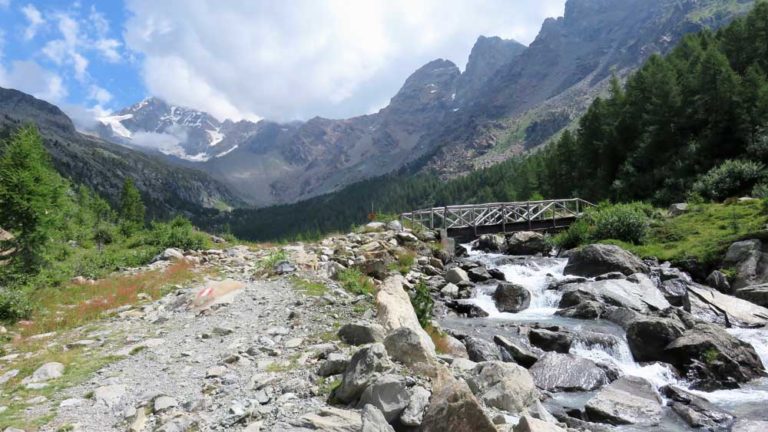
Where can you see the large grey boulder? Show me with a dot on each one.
(515, 351)
(757, 294)
(628, 400)
(510, 297)
(531, 424)
(638, 293)
(505, 386)
(395, 311)
(649, 336)
(749, 261)
(48, 371)
(527, 243)
(479, 274)
(549, 340)
(490, 243)
(406, 346)
(697, 411)
(388, 393)
(567, 372)
(418, 400)
(594, 260)
(725, 309)
(374, 420)
(331, 419)
(364, 367)
(361, 333)
(719, 281)
(454, 408)
(481, 350)
(456, 275)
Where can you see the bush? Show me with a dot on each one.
(14, 305)
(576, 235)
(422, 303)
(731, 178)
(354, 281)
(625, 222)
(178, 233)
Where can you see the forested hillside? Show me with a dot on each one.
(690, 123)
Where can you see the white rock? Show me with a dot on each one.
(109, 395)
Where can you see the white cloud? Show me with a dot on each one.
(286, 60)
(98, 94)
(30, 77)
(34, 19)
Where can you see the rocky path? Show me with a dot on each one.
(246, 363)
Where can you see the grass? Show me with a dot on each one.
(274, 257)
(326, 385)
(61, 308)
(404, 262)
(354, 281)
(309, 288)
(703, 234)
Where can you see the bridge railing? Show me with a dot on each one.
(491, 214)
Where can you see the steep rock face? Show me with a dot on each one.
(103, 166)
(488, 55)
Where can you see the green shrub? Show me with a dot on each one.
(405, 260)
(14, 305)
(178, 233)
(354, 281)
(760, 190)
(731, 178)
(625, 222)
(576, 235)
(422, 303)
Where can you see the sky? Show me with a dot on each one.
(280, 60)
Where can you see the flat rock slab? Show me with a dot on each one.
(738, 312)
(628, 400)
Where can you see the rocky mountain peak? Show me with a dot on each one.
(433, 84)
(487, 56)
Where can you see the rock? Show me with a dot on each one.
(456, 276)
(361, 333)
(467, 308)
(505, 386)
(719, 281)
(388, 394)
(585, 310)
(406, 238)
(530, 424)
(497, 274)
(335, 364)
(567, 372)
(517, 352)
(527, 243)
(451, 346)
(215, 371)
(394, 225)
(283, 268)
(374, 421)
(649, 336)
(479, 274)
(418, 400)
(44, 373)
(642, 296)
(712, 358)
(331, 420)
(510, 297)
(596, 259)
(454, 408)
(480, 350)
(169, 254)
(7, 376)
(745, 425)
(374, 227)
(364, 367)
(109, 395)
(550, 340)
(450, 291)
(697, 411)
(138, 422)
(491, 243)
(677, 209)
(628, 400)
(725, 309)
(375, 268)
(163, 403)
(406, 346)
(676, 292)
(395, 311)
(757, 294)
(748, 259)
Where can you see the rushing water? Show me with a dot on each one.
(536, 274)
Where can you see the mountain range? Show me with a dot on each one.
(510, 98)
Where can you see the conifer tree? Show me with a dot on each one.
(132, 208)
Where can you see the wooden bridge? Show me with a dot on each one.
(469, 221)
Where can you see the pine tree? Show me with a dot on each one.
(131, 208)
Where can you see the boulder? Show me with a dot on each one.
(456, 275)
(450, 291)
(364, 367)
(749, 261)
(719, 281)
(394, 225)
(549, 340)
(628, 400)
(479, 274)
(418, 400)
(567, 372)
(467, 308)
(480, 350)
(388, 393)
(712, 358)
(505, 386)
(374, 227)
(374, 420)
(283, 268)
(453, 347)
(361, 333)
(395, 311)
(490, 243)
(639, 294)
(511, 297)
(596, 259)
(454, 408)
(527, 243)
(649, 336)
(757, 294)
(332, 420)
(407, 347)
(697, 411)
(677, 209)
(497, 274)
(335, 364)
(110, 395)
(676, 292)
(585, 310)
(516, 352)
(724, 309)
(530, 424)
(48, 371)
(169, 255)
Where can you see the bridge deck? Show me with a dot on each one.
(475, 219)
